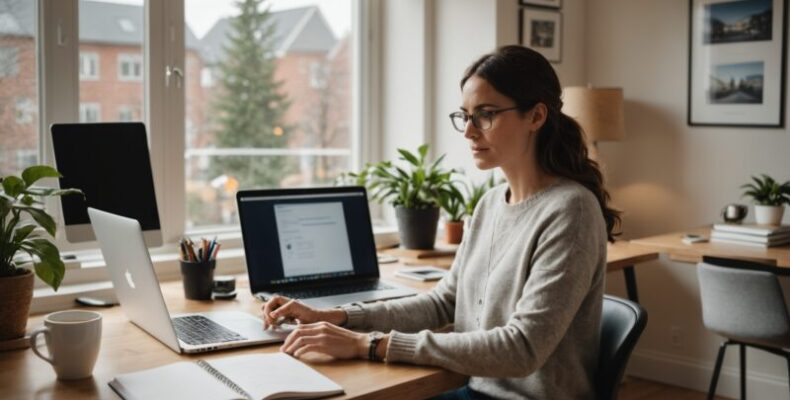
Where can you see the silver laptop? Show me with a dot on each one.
(137, 288)
(312, 244)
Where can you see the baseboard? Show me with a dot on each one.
(693, 374)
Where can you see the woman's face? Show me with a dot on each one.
(509, 138)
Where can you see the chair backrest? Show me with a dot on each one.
(744, 304)
(622, 322)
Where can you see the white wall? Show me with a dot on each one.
(668, 176)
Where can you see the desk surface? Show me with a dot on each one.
(671, 243)
(126, 348)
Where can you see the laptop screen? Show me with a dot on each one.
(294, 237)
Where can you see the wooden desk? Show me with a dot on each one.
(621, 255)
(671, 244)
(126, 348)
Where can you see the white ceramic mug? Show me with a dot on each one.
(73, 339)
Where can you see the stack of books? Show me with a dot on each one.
(751, 235)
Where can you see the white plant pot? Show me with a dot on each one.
(768, 215)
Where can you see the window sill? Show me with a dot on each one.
(88, 275)
(92, 280)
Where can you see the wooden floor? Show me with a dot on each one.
(640, 389)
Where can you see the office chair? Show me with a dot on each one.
(622, 322)
(742, 301)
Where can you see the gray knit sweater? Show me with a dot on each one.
(524, 294)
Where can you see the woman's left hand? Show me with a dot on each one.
(326, 338)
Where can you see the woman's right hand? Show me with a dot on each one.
(279, 309)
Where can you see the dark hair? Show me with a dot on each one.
(527, 78)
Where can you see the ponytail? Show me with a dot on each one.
(561, 151)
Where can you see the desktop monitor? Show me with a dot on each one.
(110, 163)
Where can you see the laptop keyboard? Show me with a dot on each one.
(197, 330)
(334, 290)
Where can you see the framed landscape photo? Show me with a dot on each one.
(542, 3)
(737, 57)
(541, 30)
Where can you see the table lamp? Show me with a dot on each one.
(599, 111)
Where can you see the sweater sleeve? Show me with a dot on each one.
(432, 310)
(562, 269)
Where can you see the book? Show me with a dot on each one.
(744, 243)
(438, 251)
(249, 377)
(753, 229)
(423, 274)
(774, 240)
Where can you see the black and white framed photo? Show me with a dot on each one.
(737, 53)
(541, 30)
(542, 3)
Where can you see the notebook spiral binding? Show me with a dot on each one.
(224, 379)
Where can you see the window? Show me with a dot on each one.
(26, 158)
(9, 61)
(25, 111)
(206, 78)
(303, 137)
(89, 66)
(90, 112)
(301, 127)
(19, 130)
(105, 36)
(126, 25)
(125, 114)
(130, 67)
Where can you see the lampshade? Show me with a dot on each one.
(598, 110)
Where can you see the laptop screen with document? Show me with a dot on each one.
(294, 237)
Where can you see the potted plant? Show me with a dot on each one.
(769, 197)
(19, 199)
(476, 193)
(414, 193)
(452, 202)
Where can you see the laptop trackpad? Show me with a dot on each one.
(248, 325)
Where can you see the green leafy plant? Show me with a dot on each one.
(18, 197)
(422, 186)
(452, 201)
(767, 192)
(476, 192)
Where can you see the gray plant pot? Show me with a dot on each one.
(417, 227)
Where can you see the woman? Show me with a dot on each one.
(525, 291)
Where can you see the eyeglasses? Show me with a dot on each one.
(481, 119)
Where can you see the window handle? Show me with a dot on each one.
(173, 71)
(62, 39)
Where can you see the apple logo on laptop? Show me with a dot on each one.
(129, 279)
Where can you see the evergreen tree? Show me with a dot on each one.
(249, 107)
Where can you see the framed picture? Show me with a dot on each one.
(542, 3)
(541, 30)
(737, 52)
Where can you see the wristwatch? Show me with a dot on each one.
(375, 338)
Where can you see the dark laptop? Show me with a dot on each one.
(312, 244)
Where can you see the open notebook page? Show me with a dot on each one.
(181, 380)
(274, 376)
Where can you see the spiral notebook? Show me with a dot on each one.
(249, 377)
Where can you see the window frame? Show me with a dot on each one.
(58, 66)
(132, 60)
(86, 109)
(93, 57)
(13, 53)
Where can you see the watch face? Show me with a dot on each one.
(376, 335)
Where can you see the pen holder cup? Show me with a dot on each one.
(198, 278)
